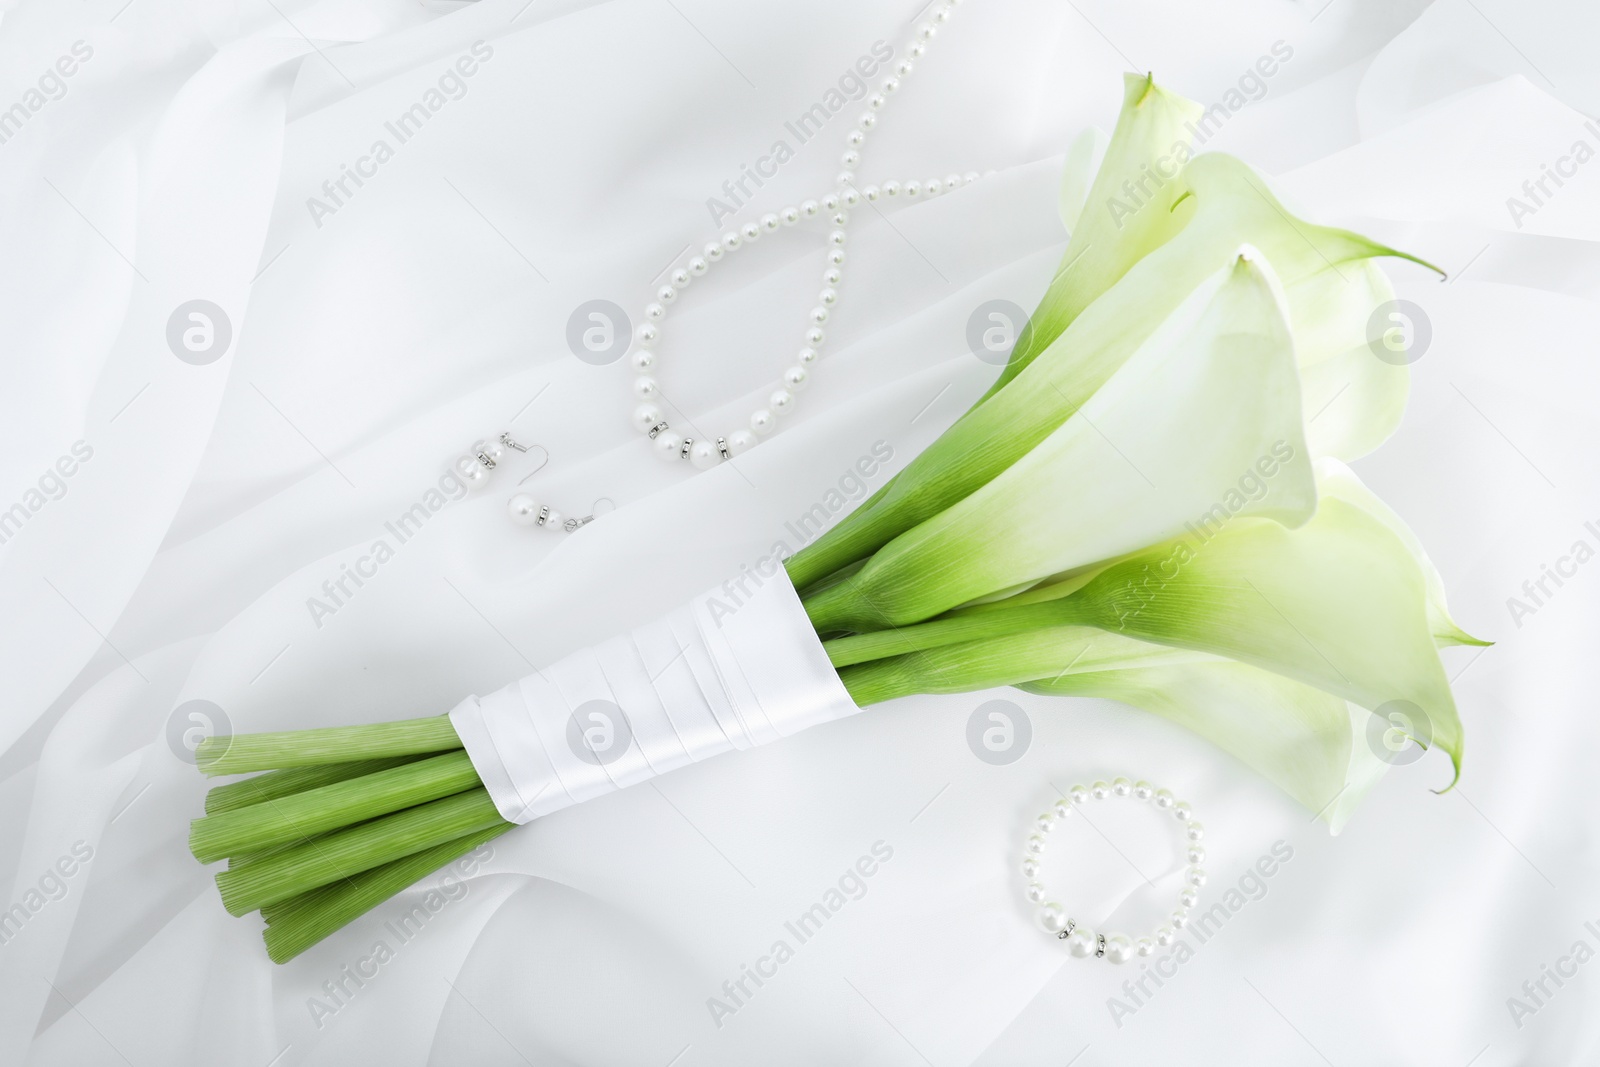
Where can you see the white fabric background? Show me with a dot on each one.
(430, 310)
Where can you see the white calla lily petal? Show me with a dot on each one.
(1340, 604)
(1207, 404)
(1337, 480)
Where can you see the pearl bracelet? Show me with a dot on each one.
(1082, 940)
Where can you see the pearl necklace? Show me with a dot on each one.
(835, 208)
(1081, 940)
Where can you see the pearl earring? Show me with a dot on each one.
(522, 508)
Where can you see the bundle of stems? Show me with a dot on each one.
(338, 820)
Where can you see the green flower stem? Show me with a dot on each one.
(239, 753)
(275, 784)
(977, 624)
(297, 817)
(348, 852)
(299, 922)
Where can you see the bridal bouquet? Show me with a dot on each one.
(1151, 505)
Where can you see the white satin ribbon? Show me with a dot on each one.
(728, 670)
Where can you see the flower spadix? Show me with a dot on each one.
(1211, 396)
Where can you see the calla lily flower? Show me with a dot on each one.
(1309, 743)
(1084, 329)
(1346, 605)
(1211, 397)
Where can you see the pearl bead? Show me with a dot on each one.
(952, 181)
(644, 387)
(1164, 798)
(781, 401)
(1144, 946)
(646, 335)
(851, 159)
(872, 192)
(891, 189)
(1188, 898)
(681, 278)
(763, 421)
(493, 449)
(831, 202)
(876, 101)
(1100, 790)
(713, 251)
(1143, 790)
(646, 417)
(1194, 831)
(969, 177)
(1195, 877)
(523, 509)
(1196, 854)
(643, 359)
(704, 455)
(731, 240)
(905, 68)
(809, 209)
(831, 276)
(851, 198)
(1053, 917)
(1082, 942)
(1165, 936)
(867, 121)
(819, 315)
(1030, 866)
(1034, 845)
(750, 231)
(1078, 794)
(845, 178)
(795, 378)
(740, 441)
(1121, 787)
(815, 336)
(1119, 948)
(891, 85)
(1063, 808)
(667, 444)
(790, 215)
(855, 137)
(698, 265)
(476, 475)
(942, 14)
(1035, 893)
(807, 355)
(927, 30)
(771, 222)
(666, 294)
(829, 297)
(655, 312)
(552, 519)
(916, 51)
(1045, 821)
(1180, 918)
(933, 187)
(913, 190)
(836, 256)
(836, 238)
(840, 218)
(1182, 811)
